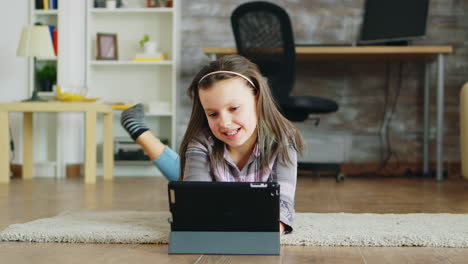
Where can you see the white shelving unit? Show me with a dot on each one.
(127, 81)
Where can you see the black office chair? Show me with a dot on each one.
(263, 34)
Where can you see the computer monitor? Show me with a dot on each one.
(394, 21)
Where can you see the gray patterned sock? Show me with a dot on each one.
(133, 121)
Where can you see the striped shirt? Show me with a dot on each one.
(199, 168)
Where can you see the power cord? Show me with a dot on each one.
(12, 146)
(385, 125)
(384, 116)
(390, 152)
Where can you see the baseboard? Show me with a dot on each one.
(409, 169)
(17, 170)
(41, 170)
(74, 171)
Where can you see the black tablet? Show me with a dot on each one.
(224, 206)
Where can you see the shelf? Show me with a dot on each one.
(129, 62)
(161, 114)
(51, 12)
(133, 163)
(131, 10)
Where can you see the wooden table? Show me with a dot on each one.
(28, 108)
(382, 54)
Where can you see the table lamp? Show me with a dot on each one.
(35, 42)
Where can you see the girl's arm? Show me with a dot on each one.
(163, 157)
(197, 162)
(197, 167)
(286, 176)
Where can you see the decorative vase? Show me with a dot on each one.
(111, 4)
(150, 47)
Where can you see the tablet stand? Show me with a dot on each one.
(201, 242)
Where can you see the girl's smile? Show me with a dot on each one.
(232, 133)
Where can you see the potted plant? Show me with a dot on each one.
(47, 77)
(148, 46)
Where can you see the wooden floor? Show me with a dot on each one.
(23, 201)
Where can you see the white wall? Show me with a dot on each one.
(71, 65)
(13, 69)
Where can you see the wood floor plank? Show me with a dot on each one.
(424, 255)
(302, 255)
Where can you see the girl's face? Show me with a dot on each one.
(230, 107)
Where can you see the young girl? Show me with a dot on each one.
(235, 133)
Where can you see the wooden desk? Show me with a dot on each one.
(382, 54)
(28, 108)
(352, 53)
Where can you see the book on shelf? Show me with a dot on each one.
(148, 59)
(159, 3)
(53, 37)
(55, 41)
(158, 56)
(46, 4)
(51, 31)
(39, 4)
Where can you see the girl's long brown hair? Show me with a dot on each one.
(274, 132)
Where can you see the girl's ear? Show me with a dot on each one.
(257, 99)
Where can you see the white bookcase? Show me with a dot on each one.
(124, 80)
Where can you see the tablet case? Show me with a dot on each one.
(224, 218)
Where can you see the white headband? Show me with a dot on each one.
(231, 72)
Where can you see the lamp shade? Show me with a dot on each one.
(36, 42)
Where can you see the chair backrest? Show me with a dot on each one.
(263, 34)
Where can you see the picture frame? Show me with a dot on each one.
(107, 48)
(99, 3)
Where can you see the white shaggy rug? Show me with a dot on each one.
(311, 229)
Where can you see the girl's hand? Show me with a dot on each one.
(281, 227)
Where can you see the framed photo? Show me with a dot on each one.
(107, 46)
(99, 3)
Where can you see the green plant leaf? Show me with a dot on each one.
(145, 39)
(47, 72)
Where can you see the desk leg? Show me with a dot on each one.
(426, 120)
(108, 146)
(60, 172)
(27, 145)
(440, 116)
(90, 147)
(212, 56)
(4, 148)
